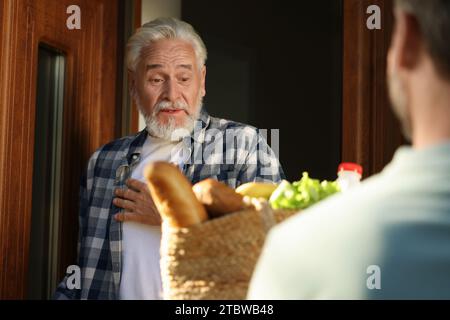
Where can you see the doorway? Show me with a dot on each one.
(56, 109)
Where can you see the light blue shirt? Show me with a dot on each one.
(387, 239)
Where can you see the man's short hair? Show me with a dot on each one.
(163, 28)
(433, 17)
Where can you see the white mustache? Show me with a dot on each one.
(167, 105)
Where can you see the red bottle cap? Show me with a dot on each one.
(350, 166)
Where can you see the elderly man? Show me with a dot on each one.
(120, 228)
(389, 238)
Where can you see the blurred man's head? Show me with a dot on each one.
(166, 60)
(419, 66)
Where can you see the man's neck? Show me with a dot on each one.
(431, 118)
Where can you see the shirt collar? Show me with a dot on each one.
(201, 124)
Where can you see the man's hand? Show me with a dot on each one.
(137, 203)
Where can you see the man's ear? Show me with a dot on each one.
(407, 43)
(203, 79)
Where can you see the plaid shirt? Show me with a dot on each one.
(234, 159)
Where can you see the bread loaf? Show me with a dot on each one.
(173, 196)
(218, 198)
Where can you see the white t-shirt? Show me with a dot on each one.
(141, 276)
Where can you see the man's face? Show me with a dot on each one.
(169, 86)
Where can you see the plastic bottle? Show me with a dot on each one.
(349, 175)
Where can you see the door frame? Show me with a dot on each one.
(370, 131)
(90, 116)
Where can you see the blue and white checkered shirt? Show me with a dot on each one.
(225, 150)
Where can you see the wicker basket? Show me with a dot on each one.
(215, 259)
(282, 214)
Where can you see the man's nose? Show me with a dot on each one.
(172, 92)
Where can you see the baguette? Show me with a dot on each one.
(173, 196)
(218, 198)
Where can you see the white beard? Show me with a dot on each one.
(170, 130)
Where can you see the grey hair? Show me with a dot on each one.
(163, 28)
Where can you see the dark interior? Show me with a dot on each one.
(277, 65)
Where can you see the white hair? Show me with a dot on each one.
(163, 28)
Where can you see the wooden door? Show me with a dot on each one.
(370, 131)
(90, 117)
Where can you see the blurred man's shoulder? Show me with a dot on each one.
(345, 218)
(332, 246)
(378, 227)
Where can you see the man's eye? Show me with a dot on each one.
(156, 80)
(184, 79)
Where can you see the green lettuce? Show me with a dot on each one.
(302, 194)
